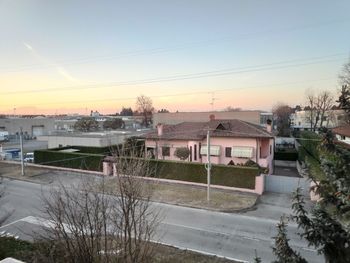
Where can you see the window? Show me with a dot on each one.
(195, 152)
(166, 151)
(199, 150)
(214, 150)
(260, 152)
(242, 152)
(343, 137)
(270, 149)
(228, 152)
(190, 153)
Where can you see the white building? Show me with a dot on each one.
(90, 139)
(342, 134)
(31, 127)
(300, 120)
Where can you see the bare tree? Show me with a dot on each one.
(318, 106)
(144, 106)
(311, 108)
(282, 114)
(324, 104)
(114, 224)
(230, 108)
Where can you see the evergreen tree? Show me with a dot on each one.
(344, 101)
(327, 226)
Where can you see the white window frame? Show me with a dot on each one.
(242, 152)
(215, 150)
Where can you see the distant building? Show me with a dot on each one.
(255, 117)
(32, 127)
(342, 135)
(66, 124)
(90, 139)
(300, 120)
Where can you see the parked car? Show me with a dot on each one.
(29, 157)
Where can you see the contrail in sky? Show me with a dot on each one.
(58, 68)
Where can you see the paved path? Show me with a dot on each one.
(229, 235)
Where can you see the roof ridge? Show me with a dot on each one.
(255, 128)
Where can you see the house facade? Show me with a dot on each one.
(342, 135)
(232, 142)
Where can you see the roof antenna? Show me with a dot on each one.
(213, 99)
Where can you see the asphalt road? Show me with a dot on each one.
(234, 236)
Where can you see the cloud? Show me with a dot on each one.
(60, 70)
(29, 47)
(65, 74)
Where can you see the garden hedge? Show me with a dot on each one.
(310, 141)
(76, 160)
(233, 176)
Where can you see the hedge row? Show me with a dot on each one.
(240, 177)
(286, 156)
(313, 164)
(76, 160)
(11, 247)
(310, 141)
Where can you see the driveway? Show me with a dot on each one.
(274, 205)
(286, 171)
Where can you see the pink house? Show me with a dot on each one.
(231, 142)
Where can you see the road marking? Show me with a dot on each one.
(12, 223)
(44, 222)
(309, 249)
(197, 228)
(250, 238)
(215, 232)
(37, 221)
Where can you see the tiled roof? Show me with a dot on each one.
(342, 130)
(219, 128)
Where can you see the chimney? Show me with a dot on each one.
(269, 126)
(211, 117)
(160, 129)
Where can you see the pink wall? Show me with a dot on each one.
(259, 184)
(109, 168)
(256, 144)
(172, 144)
(229, 142)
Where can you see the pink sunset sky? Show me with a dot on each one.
(63, 57)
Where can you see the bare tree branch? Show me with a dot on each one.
(109, 225)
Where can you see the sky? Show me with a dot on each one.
(59, 57)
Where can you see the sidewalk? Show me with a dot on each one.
(180, 193)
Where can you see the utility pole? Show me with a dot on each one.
(208, 165)
(21, 142)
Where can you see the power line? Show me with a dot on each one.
(171, 48)
(205, 74)
(182, 94)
